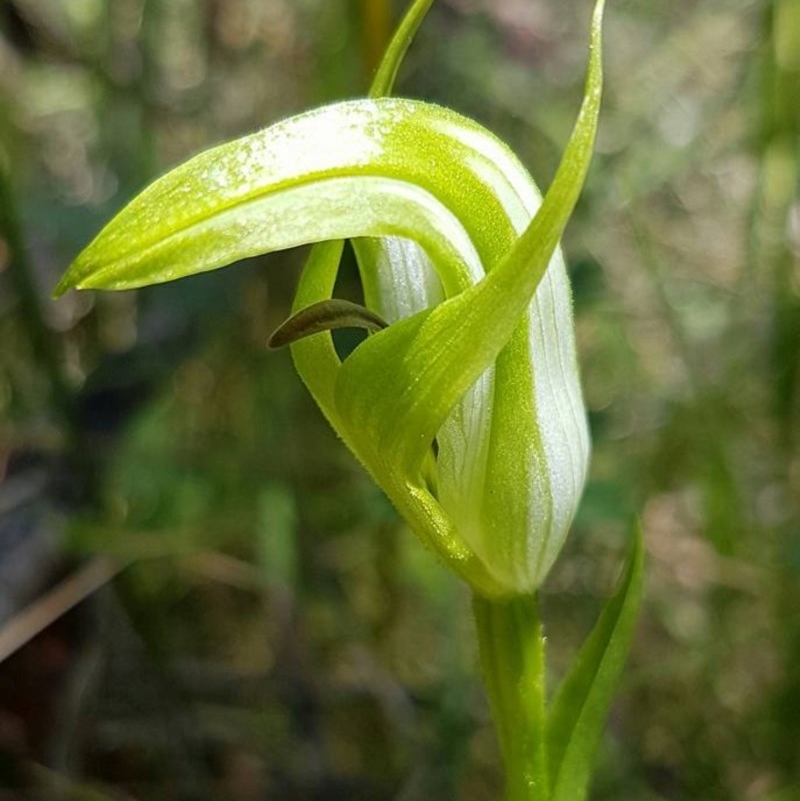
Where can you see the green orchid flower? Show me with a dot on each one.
(459, 255)
(463, 402)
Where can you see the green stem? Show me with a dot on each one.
(512, 653)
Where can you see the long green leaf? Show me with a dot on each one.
(580, 706)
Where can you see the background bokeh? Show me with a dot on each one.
(257, 622)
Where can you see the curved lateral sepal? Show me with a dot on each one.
(437, 355)
(316, 360)
(385, 77)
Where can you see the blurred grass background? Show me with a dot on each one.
(265, 627)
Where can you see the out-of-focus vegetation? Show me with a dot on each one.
(268, 629)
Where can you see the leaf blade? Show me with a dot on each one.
(579, 708)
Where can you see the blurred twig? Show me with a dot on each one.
(43, 612)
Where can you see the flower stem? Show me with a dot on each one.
(511, 645)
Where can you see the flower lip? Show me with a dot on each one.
(325, 315)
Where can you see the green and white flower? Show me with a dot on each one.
(466, 408)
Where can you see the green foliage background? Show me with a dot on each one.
(275, 632)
